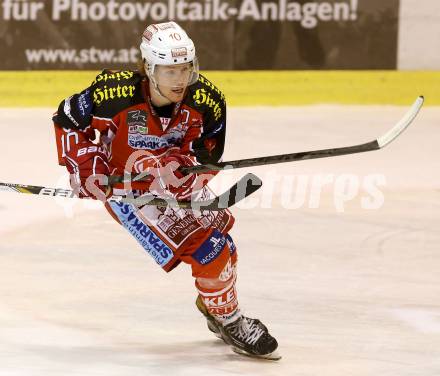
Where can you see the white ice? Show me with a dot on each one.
(345, 290)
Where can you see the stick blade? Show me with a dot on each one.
(243, 188)
(404, 123)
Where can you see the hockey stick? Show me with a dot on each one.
(243, 188)
(377, 144)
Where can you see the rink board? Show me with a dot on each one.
(247, 88)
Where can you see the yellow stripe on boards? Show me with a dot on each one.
(247, 88)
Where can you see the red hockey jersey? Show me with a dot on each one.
(115, 111)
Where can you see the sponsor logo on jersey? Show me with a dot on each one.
(152, 243)
(137, 122)
(208, 83)
(182, 228)
(137, 129)
(85, 103)
(231, 244)
(110, 92)
(221, 220)
(224, 303)
(116, 76)
(201, 96)
(210, 248)
(227, 272)
(138, 137)
(137, 117)
(92, 149)
(177, 225)
(146, 142)
(106, 93)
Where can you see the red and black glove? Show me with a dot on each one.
(87, 164)
(169, 180)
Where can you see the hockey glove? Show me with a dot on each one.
(169, 180)
(87, 164)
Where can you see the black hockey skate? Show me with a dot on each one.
(246, 336)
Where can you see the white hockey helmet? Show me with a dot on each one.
(168, 44)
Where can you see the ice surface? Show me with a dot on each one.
(352, 292)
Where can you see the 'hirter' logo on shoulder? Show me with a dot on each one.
(201, 96)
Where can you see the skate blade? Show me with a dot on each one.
(272, 356)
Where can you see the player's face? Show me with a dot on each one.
(173, 80)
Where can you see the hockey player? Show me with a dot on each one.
(164, 116)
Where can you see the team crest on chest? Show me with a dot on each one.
(138, 136)
(137, 122)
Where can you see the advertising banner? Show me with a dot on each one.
(229, 34)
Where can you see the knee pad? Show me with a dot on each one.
(215, 272)
(215, 258)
